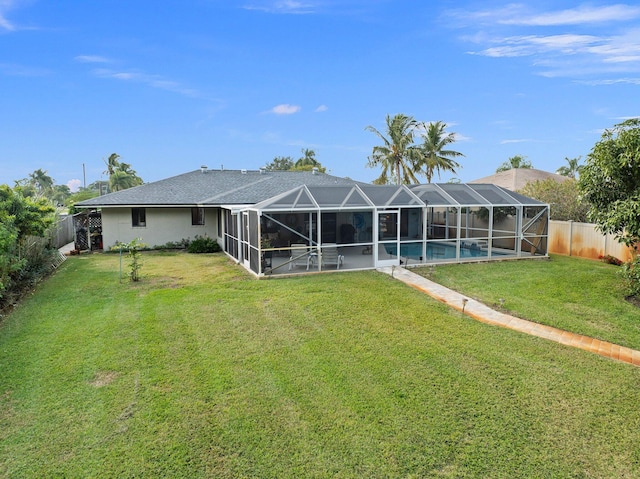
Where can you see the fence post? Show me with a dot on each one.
(570, 237)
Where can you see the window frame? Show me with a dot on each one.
(138, 217)
(197, 216)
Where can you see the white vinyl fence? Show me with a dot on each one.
(582, 239)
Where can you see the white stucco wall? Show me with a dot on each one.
(162, 226)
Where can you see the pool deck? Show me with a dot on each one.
(483, 313)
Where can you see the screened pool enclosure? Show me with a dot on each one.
(319, 228)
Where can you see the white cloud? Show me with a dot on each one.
(460, 137)
(628, 81)
(283, 6)
(5, 24)
(92, 59)
(579, 16)
(285, 109)
(522, 140)
(526, 45)
(154, 81)
(74, 185)
(517, 31)
(522, 15)
(321, 108)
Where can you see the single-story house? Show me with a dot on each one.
(276, 222)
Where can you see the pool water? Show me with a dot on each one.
(440, 251)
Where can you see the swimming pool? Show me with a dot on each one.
(442, 251)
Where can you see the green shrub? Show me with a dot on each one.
(25, 254)
(182, 244)
(631, 274)
(203, 244)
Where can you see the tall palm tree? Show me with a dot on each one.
(112, 164)
(398, 156)
(121, 175)
(517, 161)
(572, 169)
(308, 158)
(435, 158)
(41, 181)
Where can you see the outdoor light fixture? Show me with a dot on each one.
(464, 303)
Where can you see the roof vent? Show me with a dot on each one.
(203, 168)
(221, 167)
(314, 170)
(243, 171)
(262, 170)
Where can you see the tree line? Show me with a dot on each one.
(28, 213)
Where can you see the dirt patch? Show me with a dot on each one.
(634, 300)
(104, 378)
(171, 282)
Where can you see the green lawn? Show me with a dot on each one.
(202, 371)
(575, 294)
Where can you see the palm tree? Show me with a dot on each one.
(122, 180)
(112, 164)
(308, 159)
(398, 156)
(435, 157)
(308, 162)
(41, 181)
(572, 169)
(121, 175)
(60, 193)
(517, 161)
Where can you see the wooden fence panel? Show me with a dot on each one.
(63, 233)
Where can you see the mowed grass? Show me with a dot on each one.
(202, 371)
(575, 294)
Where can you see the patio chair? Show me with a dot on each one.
(330, 255)
(300, 255)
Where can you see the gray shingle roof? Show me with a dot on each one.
(215, 187)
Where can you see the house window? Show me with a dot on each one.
(138, 217)
(197, 216)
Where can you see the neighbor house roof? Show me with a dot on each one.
(206, 187)
(516, 178)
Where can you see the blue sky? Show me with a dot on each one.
(173, 85)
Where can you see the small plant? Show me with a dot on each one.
(610, 259)
(203, 244)
(135, 264)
